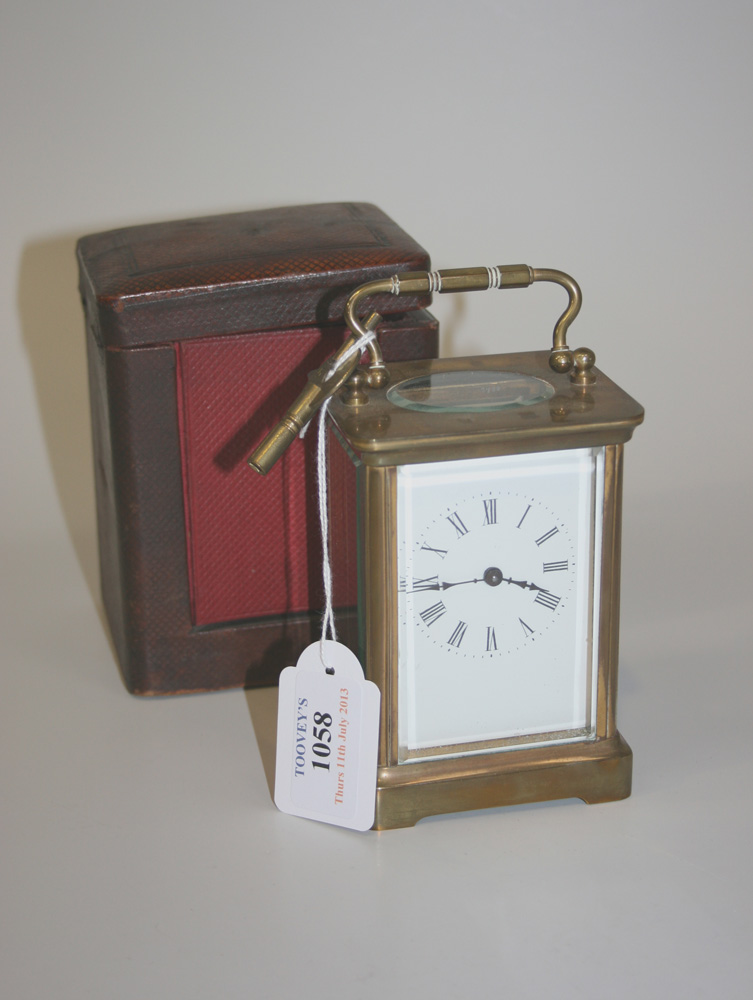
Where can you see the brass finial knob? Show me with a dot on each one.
(583, 361)
(354, 394)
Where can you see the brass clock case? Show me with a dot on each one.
(379, 436)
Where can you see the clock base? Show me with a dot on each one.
(595, 771)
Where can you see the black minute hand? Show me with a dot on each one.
(443, 585)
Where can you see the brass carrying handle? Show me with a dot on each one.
(335, 372)
(475, 279)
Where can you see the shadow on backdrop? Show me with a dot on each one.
(53, 334)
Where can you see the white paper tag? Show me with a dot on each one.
(327, 739)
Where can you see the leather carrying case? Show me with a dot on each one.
(200, 333)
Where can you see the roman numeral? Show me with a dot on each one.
(524, 515)
(457, 636)
(555, 567)
(547, 536)
(430, 583)
(491, 639)
(490, 511)
(547, 600)
(457, 524)
(428, 548)
(527, 630)
(432, 614)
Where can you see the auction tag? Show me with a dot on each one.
(327, 739)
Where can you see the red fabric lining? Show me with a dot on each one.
(252, 540)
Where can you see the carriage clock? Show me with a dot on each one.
(487, 494)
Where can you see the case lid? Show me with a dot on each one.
(263, 270)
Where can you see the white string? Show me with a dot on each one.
(358, 345)
(328, 619)
(495, 277)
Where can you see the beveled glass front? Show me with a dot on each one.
(498, 563)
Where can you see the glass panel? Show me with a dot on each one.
(469, 391)
(497, 606)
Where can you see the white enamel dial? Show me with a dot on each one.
(497, 561)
